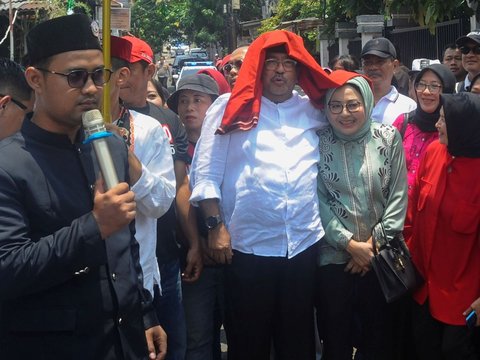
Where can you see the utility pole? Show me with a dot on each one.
(235, 10)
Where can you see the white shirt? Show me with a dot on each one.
(391, 106)
(265, 178)
(154, 191)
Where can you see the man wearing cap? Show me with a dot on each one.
(149, 152)
(71, 283)
(16, 97)
(469, 46)
(254, 176)
(379, 63)
(202, 299)
(169, 304)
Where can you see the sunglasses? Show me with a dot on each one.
(466, 49)
(237, 65)
(16, 102)
(78, 78)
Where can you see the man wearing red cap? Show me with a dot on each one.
(149, 156)
(169, 304)
(254, 175)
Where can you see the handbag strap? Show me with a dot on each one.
(375, 235)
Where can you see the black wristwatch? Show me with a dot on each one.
(212, 222)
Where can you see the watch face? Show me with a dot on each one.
(212, 221)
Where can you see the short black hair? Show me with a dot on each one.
(118, 63)
(449, 46)
(349, 62)
(12, 80)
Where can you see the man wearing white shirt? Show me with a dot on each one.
(379, 62)
(254, 176)
(149, 160)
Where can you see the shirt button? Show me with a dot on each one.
(114, 276)
(120, 320)
(417, 154)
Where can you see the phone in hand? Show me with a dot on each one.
(471, 319)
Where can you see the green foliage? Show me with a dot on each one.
(158, 21)
(206, 22)
(429, 12)
(288, 10)
(57, 8)
(250, 10)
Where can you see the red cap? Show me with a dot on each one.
(225, 61)
(120, 48)
(140, 50)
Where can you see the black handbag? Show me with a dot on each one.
(393, 266)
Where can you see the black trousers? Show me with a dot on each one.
(436, 340)
(352, 312)
(269, 301)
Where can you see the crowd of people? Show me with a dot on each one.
(240, 203)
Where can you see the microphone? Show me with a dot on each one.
(96, 133)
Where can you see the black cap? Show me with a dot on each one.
(380, 47)
(473, 36)
(62, 34)
(198, 82)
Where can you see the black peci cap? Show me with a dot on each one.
(62, 34)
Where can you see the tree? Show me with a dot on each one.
(250, 10)
(157, 22)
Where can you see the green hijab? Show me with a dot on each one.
(362, 85)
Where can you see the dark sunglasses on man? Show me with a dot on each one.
(466, 49)
(78, 78)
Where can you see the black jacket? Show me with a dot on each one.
(65, 292)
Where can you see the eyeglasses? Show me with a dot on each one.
(336, 107)
(237, 65)
(288, 64)
(433, 88)
(78, 78)
(16, 102)
(466, 49)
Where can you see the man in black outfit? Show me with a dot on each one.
(70, 278)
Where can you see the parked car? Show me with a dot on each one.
(200, 53)
(191, 68)
(179, 62)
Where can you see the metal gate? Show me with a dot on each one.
(418, 42)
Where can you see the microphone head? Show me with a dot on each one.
(92, 121)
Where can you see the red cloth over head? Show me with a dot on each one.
(222, 83)
(243, 108)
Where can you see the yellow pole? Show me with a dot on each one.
(106, 58)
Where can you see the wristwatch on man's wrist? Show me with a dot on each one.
(212, 222)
